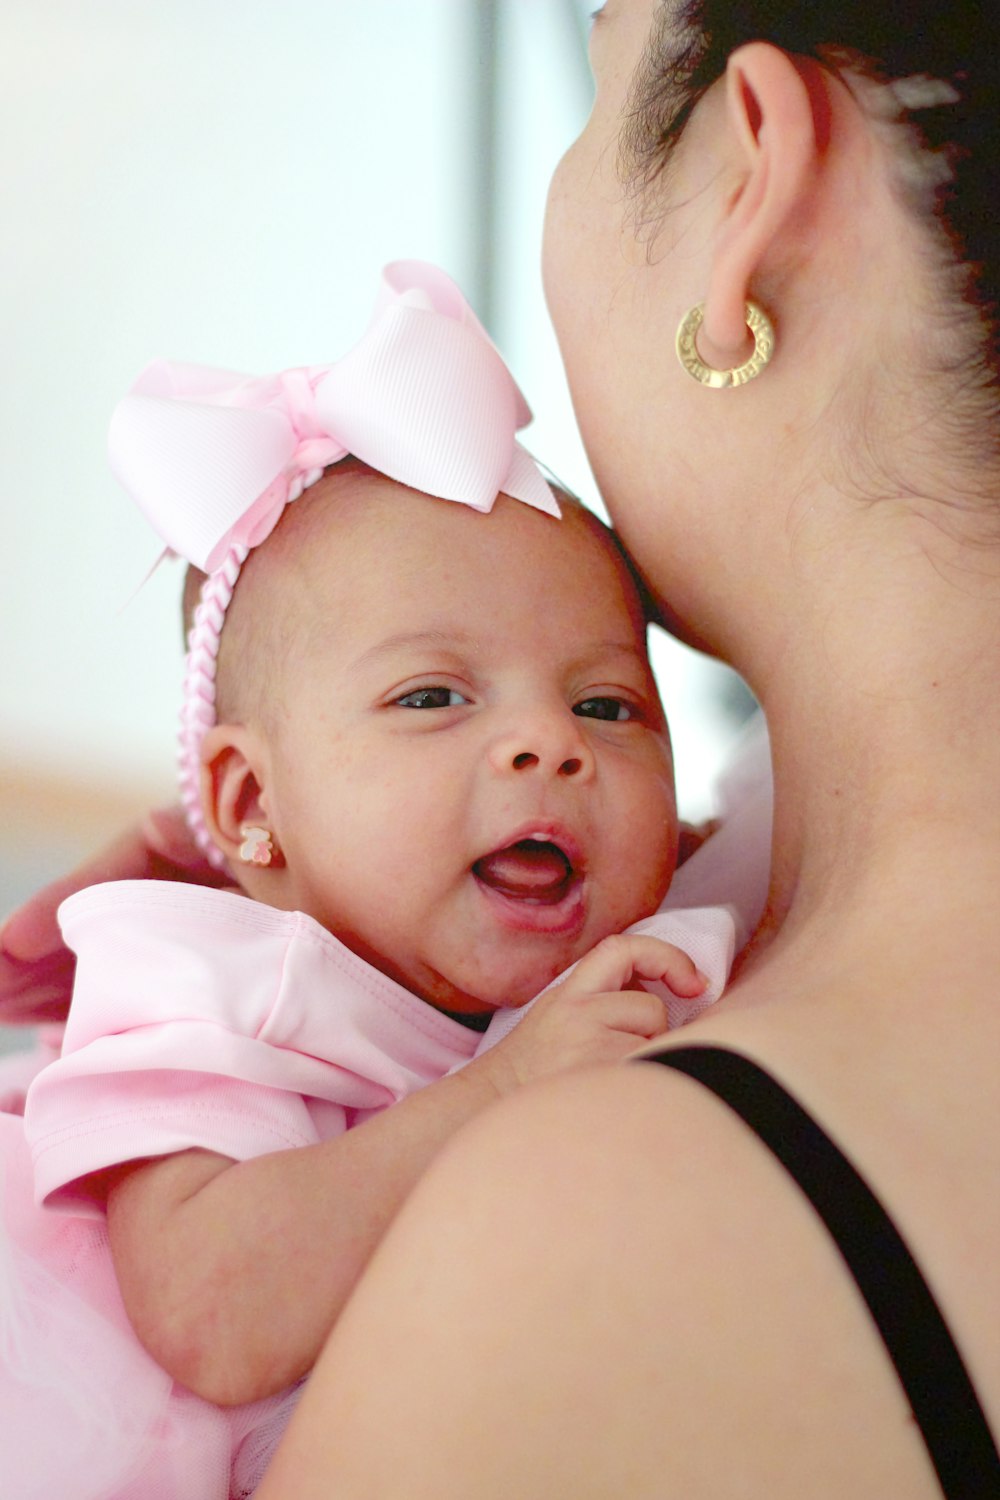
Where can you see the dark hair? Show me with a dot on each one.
(956, 42)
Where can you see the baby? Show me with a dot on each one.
(422, 734)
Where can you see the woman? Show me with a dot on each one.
(637, 1299)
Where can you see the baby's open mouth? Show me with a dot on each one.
(534, 870)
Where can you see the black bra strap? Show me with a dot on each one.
(931, 1370)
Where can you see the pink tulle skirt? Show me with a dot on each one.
(85, 1412)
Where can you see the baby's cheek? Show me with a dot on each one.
(652, 857)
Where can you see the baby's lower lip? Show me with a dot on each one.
(542, 915)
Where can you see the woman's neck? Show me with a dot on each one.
(885, 728)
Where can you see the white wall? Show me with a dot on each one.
(214, 180)
(219, 180)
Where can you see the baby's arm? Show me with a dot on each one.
(233, 1273)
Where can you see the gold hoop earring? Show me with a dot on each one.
(759, 325)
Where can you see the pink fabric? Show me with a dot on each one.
(734, 865)
(212, 457)
(200, 1018)
(198, 692)
(84, 1411)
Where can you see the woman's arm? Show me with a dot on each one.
(36, 967)
(234, 1273)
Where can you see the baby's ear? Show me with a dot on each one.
(233, 786)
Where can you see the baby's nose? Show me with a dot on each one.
(524, 759)
(550, 745)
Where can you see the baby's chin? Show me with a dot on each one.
(502, 968)
(486, 998)
(512, 980)
(507, 987)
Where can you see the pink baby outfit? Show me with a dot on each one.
(199, 1019)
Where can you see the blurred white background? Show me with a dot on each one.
(219, 181)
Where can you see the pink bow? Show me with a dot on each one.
(212, 458)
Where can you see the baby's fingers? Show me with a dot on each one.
(634, 1013)
(655, 959)
(616, 961)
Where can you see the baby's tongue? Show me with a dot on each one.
(527, 869)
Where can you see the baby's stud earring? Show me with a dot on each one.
(256, 848)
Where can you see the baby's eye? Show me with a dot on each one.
(604, 708)
(431, 697)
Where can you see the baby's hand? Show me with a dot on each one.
(591, 1017)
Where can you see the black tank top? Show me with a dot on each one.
(930, 1368)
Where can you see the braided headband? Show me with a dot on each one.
(212, 458)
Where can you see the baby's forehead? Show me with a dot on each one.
(355, 516)
(360, 561)
(360, 549)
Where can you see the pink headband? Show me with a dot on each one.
(212, 458)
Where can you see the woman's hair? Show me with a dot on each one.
(938, 62)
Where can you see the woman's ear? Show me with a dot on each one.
(776, 124)
(234, 787)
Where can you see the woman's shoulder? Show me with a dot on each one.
(672, 1289)
(723, 1169)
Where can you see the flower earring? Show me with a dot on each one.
(256, 848)
(759, 325)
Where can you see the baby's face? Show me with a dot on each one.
(470, 777)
